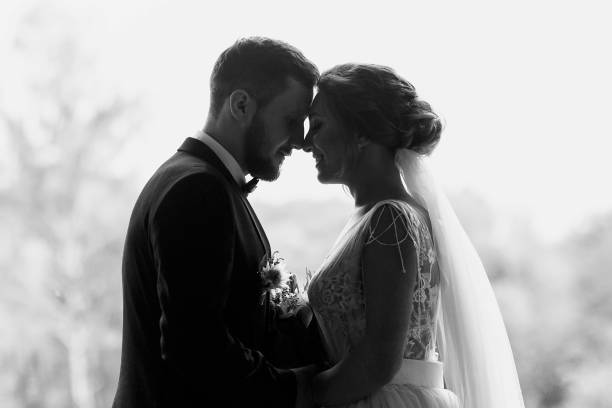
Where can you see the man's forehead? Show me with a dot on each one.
(294, 99)
(300, 101)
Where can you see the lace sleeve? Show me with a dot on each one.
(392, 225)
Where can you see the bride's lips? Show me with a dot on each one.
(318, 159)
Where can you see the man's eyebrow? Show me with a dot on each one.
(298, 113)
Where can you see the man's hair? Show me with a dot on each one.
(261, 67)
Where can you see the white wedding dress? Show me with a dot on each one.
(336, 296)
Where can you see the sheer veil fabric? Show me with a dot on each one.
(472, 339)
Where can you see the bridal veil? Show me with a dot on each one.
(472, 340)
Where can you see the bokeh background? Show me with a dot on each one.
(95, 95)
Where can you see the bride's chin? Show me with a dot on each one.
(326, 179)
(324, 176)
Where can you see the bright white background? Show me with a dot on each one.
(524, 86)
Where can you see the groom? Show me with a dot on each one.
(196, 330)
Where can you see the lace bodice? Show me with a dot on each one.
(336, 290)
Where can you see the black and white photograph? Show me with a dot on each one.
(389, 204)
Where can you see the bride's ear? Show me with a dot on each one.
(242, 107)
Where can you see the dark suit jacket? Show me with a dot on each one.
(194, 324)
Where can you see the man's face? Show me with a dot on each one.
(276, 130)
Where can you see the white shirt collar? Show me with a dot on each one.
(226, 158)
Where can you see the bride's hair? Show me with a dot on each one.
(374, 102)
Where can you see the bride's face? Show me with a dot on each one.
(326, 140)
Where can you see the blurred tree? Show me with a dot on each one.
(63, 201)
(555, 299)
(586, 357)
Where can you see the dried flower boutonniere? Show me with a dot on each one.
(273, 273)
(282, 286)
(289, 299)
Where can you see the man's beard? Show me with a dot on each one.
(258, 165)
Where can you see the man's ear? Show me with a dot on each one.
(242, 107)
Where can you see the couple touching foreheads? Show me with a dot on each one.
(399, 314)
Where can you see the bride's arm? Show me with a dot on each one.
(389, 273)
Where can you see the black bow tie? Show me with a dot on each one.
(248, 187)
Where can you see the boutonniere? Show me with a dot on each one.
(282, 285)
(288, 299)
(273, 273)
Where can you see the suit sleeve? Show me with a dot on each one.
(193, 239)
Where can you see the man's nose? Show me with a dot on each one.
(297, 142)
(307, 143)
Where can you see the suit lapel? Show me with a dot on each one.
(199, 149)
(258, 227)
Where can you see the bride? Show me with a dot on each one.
(405, 309)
